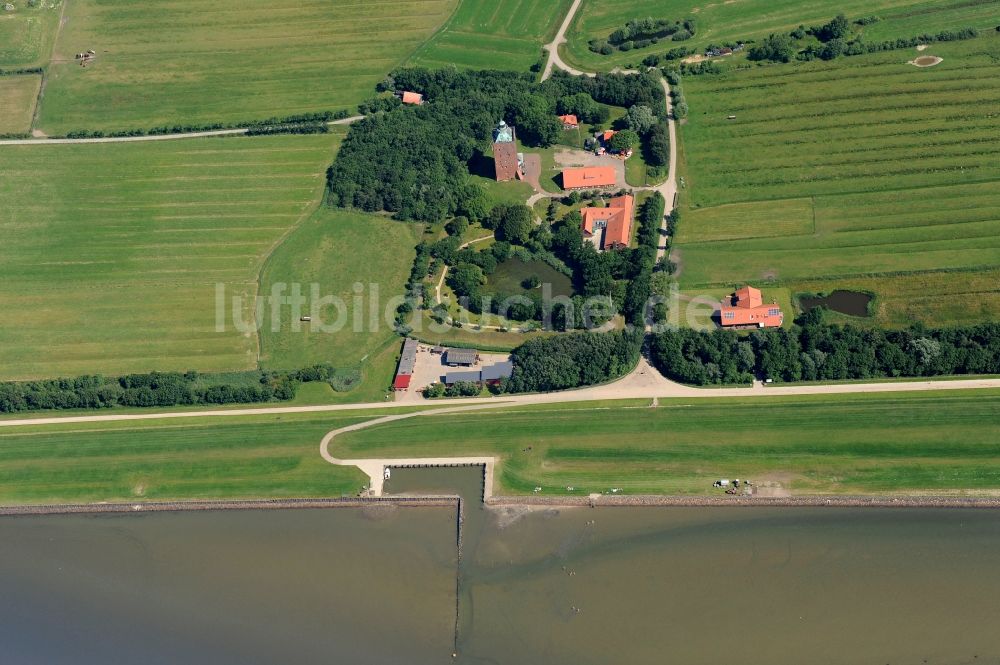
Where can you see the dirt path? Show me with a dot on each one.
(552, 47)
(155, 137)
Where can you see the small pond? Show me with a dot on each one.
(508, 277)
(852, 303)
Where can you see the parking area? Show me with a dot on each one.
(578, 158)
(431, 368)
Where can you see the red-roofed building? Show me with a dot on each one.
(407, 361)
(746, 308)
(413, 98)
(569, 121)
(607, 135)
(589, 177)
(611, 227)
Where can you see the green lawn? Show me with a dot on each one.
(26, 34)
(335, 249)
(865, 168)
(749, 19)
(500, 34)
(111, 253)
(17, 103)
(205, 61)
(918, 443)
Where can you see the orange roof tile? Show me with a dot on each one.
(569, 119)
(608, 133)
(413, 98)
(618, 221)
(746, 307)
(591, 176)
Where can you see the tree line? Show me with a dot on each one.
(835, 39)
(307, 122)
(640, 33)
(812, 350)
(159, 389)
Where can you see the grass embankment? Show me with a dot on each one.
(865, 173)
(719, 22)
(111, 252)
(336, 249)
(916, 443)
(225, 60)
(503, 34)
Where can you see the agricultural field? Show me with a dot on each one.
(830, 444)
(865, 170)
(749, 19)
(17, 102)
(112, 252)
(503, 34)
(27, 33)
(205, 61)
(336, 249)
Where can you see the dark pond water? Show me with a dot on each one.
(571, 586)
(852, 303)
(508, 277)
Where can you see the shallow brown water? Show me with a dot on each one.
(609, 585)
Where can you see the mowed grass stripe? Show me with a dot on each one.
(109, 266)
(505, 34)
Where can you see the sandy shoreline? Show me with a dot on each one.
(517, 503)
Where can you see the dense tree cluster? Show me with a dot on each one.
(572, 360)
(812, 350)
(413, 161)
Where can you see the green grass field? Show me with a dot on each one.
(111, 252)
(917, 443)
(748, 19)
(336, 249)
(17, 102)
(225, 60)
(865, 168)
(502, 34)
(27, 33)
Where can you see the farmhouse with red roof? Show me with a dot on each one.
(589, 177)
(611, 227)
(746, 308)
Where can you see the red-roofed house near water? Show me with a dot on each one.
(746, 308)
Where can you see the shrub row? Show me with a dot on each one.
(161, 389)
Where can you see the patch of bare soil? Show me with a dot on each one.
(698, 57)
(926, 61)
(678, 260)
(921, 47)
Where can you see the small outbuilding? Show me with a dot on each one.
(461, 357)
(569, 121)
(412, 98)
